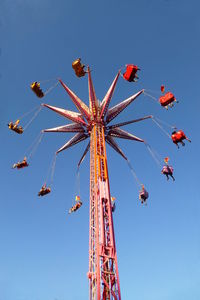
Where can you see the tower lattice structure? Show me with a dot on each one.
(103, 269)
(93, 122)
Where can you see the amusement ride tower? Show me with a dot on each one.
(92, 122)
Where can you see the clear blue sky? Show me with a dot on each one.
(44, 252)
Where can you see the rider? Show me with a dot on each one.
(44, 190)
(113, 205)
(168, 171)
(178, 137)
(75, 207)
(35, 86)
(21, 164)
(78, 68)
(143, 195)
(15, 127)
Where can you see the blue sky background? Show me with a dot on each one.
(44, 252)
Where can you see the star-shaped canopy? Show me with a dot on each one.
(96, 112)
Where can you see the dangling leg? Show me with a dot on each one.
(167, 176)
(177, 145)
(182, 143)
(172, 177)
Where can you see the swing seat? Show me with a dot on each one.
(130, 73)
(167, 170)
(167, 99)
(14, 127)
(75, 207)
(143, 195)
(178, 136)
(76, 64)
(20, 165)
(23, 164)
(78, 68)
(44, 192)
(80, 72)
(113, 207)
(18, 129)
(35, 86)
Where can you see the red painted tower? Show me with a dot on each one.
(92, 122)
(103, 269)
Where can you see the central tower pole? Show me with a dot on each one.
(103, 270)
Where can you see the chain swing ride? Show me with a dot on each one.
(93, 122)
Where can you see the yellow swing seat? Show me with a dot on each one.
(35, 87)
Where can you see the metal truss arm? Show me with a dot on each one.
(114, 111)
(79, 137)
(129, 122)
(114, 145)
(81, 106)
(106, 101)
(71, 115)
(73, 127)
(119, 133)
(92, 96)
(84, 154)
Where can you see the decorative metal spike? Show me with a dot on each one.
(92, 96)
(128, 122)
(81, 106)
(114, 145)
(84, 154)
(106, 101)
(79, 137)
(117, 109)
(119, 133)
(71, 115)
(74, 127)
